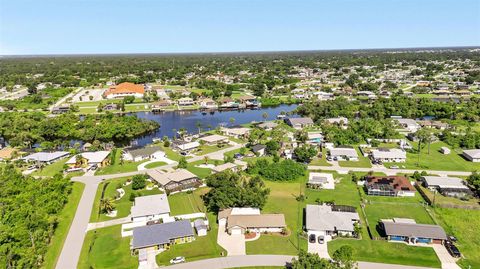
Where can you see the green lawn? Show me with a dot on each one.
(464, 224)
(64, 220)
(345, 192)
(186, 203)
(123, 205)
(51, 169)
(436, 160)
(118, 167)
(386, 252)
(154, 164)
(105, 248)
(362, 161)
(321, 161)
(171, 154)
(205, 149)
(444, 200)
(204, 247)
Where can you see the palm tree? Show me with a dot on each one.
(106, 205)
(205, 159)
(199, 126)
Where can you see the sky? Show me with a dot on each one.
(175, 26)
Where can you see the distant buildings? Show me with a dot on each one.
(389, 155)
(137, 154)
(299, 123)
(89, 159)
(125, 89)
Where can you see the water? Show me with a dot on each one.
(189, 119)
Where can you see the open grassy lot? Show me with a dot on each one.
(362, 161)
(464, 224)
(64, 221)
(345, 192)
(282, 200)
(155, 164)
(204, 247)
(377, 211)
(51, 169)
(436, 160)
(441, 200)
(386, 252)
(105, 248)
(118, 166)
(123, 205)
(187, 202)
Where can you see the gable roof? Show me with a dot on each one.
(92, 157)
(300, 121)
(414, 230)
(473, 153)
(45, 156)
(152, 235)
(445, 182)
(126, 87)
(143, 151)
(165, 178)
(349, 152)
(383, 153)
(150, 205)
(256, 221)
(323, 218)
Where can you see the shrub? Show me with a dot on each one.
(139, 182)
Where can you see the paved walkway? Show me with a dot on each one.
(108, 223)
(448, 262)
(233, 244)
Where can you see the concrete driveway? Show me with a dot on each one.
(320, 249)
(448, 262)
(233, 244)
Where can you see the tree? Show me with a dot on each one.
(310, 261)
(139, 182)
(343, 258)
(106, 205)
(182, 163)
(128, 99)
(474, 181)
(301, 136)
(272, 147)
(305, 153)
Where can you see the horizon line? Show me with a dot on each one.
(235, 52)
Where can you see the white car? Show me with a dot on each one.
(394, 167)
(177, 260)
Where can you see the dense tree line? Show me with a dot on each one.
(27, 129)
(285, 170)
(28, 216)
(229, 189)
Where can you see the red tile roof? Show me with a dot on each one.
(126, 87)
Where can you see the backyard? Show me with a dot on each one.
(362, 161)
(51, 169)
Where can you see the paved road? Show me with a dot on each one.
(74, 241)
(386, 170)
(268, 260)
(63, 99)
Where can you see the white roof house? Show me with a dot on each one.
(389, 155)
(93, 157)
(188, 146)
(46, 157)
(224, 167)
(409, 124)
(444, 182)
(213, 139)
(338, 120)
(236, 132)
(472, 155)
(344, 153)
(150, 207)
(324, 218)
(324, 180)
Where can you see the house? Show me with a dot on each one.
(268, 126)
(184, 145)
(162, 236)
(61, 109)
(125, 89)
(214, 139)
(201, 227)
(178, 180)
(45, 157)
(341, 121)
(237, 132)
(239, 220)
(389, 186)
(227, 102)
(89, 159)
(321, 181)
(314, 138)
(259, 149)
(472, 155)
(226, 166)
(185, 101)
(413, 233)
(331, 220)
(137, 154)
(249, 101)
(207, 103)
(150, 207)
(299, 123)
(389, 155)
(161, 104)
(344, 153)
(110, 107)
(447, 186)
(408, 124)
(445, 150)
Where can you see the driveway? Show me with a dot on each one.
(448, 262)
(320, 249)
(233, 244)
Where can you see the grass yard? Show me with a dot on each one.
(64, 221)
(123, 205)
(381, 210)
(186, 203)
(444, 200)
(362, 161)
(118, 167)
(170, 153)
(204, 247)
(345, 192)
(155, 164)
(464, 224)
(205, 149)
(105, 248)
(322, 161)
(282, 200)
(386, 252)
(51, 169)
(436, 160)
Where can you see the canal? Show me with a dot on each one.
(189, 120)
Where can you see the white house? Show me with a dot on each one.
(472, 155)
(46, 157)
(408, 124)
(201, 227)
(143, 153)
(237, 221)
(151, 207)
(340, 154)
(389, 155)
(332, 220)
(98, 158)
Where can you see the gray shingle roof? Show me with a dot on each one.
(414, 230)
(322, 218)
(152, 235)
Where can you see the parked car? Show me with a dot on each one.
(452, 238)
(452, 249)
(321, 239)
(329, 158)
(394, 167)
(177, 260)
(237, 156)
(311, 238)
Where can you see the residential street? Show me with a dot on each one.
(345, 170)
